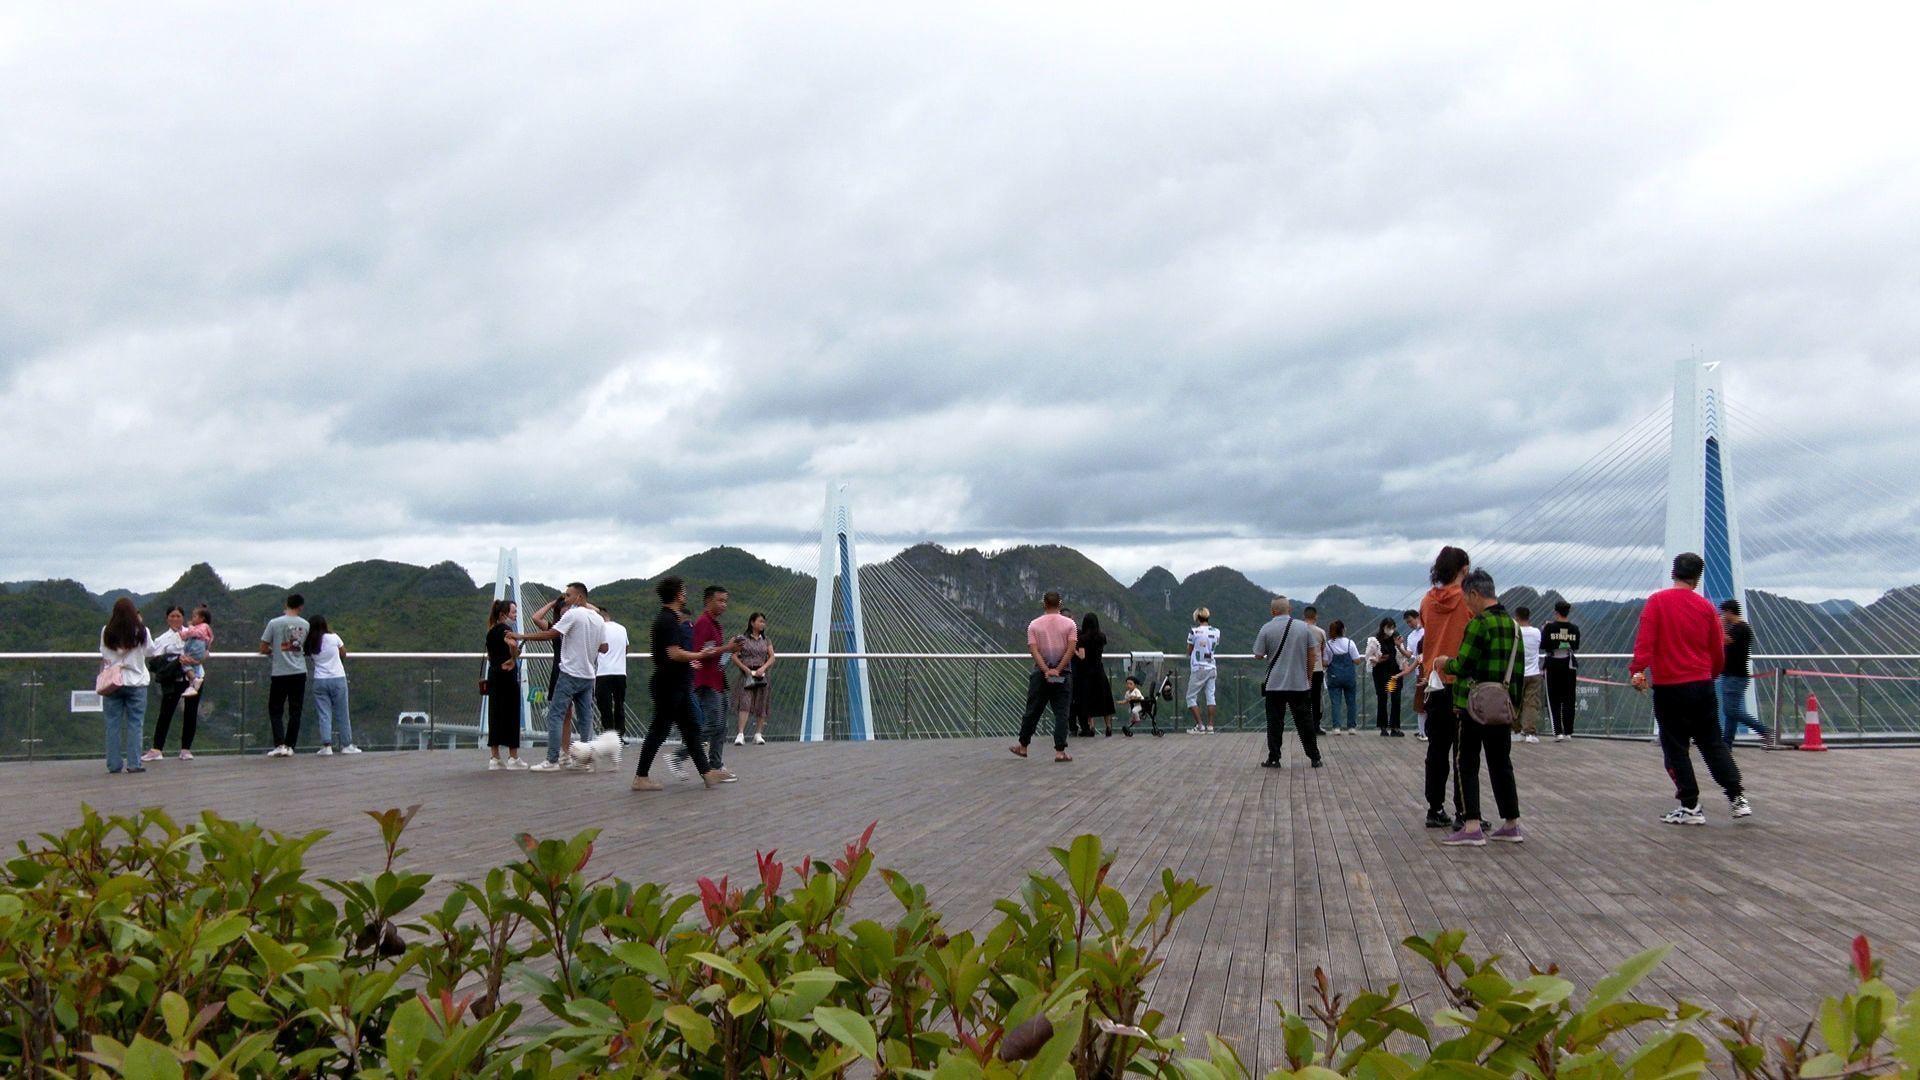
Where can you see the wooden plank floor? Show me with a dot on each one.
(1327, 868)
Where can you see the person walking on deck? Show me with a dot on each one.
(1679, 650)
(1735, 676)
(671, 688)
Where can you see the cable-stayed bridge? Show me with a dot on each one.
(896, 648)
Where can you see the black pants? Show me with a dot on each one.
(1279, 703)
(189, 719)
(1443, 731)
(286, 693)
(1561, 690)
(1040, 695)
(673, 708)
(1317, 695)
(610, 703)
(1690, 713)
(1386, 703)
(1496, 743)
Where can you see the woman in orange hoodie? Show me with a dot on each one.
(1444, 614)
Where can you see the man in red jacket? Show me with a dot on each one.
(1680, 644)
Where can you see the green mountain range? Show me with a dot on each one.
(379, 605)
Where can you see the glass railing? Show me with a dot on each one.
(422, 701)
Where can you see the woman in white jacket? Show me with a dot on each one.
(124, 648)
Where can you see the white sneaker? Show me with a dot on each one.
(678, 767)
(352, 749)
(516, 763)
(1742, 808)
(578, 766)
(186, 755)
(759, 740)
(280, 751)
(1561, 738)
(740, 739)
(494, 764)
(1533, 738)
(1685, 815)
(546, 766)
(152, 755)
(325, 751)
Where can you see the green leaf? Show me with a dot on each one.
(849, 1028)
(719, 963)
(693, 1027)
(1836, 1026)
(1083, 866)
(148, 1060)
(744, 1002)
(642, 957)
(959, 1067)
(174, 1009)
(224, 931)
(1626, 977)
(406, 1035)
(1673, 1056)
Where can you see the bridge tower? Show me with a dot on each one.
(1701, 514)
(838, 560)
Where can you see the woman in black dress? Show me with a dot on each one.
(503, 688)
(1092, 693)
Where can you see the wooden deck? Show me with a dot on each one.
(1327, 868)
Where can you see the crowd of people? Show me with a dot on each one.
(1482, 677)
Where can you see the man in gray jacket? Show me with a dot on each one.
(1286, 645)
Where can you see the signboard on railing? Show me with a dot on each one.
(85, 701)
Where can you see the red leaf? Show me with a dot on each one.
(1863, 957)
(584, 856)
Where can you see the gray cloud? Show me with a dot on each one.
(621, 284)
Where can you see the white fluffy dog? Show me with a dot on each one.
(603, 748)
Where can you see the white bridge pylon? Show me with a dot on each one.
(838, 560)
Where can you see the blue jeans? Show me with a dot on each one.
(577, 692)
(329, 702)
(126, 713)
(713, 722)
(1733, 710)
(1343, 698)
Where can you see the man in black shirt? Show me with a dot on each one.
(672, 689)
(1560, 662)
(1736, 677)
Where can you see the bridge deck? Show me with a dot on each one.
(1325, 868)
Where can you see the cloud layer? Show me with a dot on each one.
(1305, 295)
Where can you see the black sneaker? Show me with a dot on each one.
(1269, 764)
(1317, 763)
(1438, 820)
(1397, 733)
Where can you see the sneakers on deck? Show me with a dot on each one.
(1684, 815)
(1741, 807)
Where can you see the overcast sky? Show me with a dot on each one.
(1303, 293)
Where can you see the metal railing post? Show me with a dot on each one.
(33, 685)
(906, 697)
(433, 682)
(976, 698)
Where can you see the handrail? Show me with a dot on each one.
(368, 654)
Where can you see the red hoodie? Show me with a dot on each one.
(1444, 616)
(1680, 640)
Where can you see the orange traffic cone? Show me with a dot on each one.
(1811, 740)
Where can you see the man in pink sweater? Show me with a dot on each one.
(1679, 650)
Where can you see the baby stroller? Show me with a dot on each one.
(1146, 669)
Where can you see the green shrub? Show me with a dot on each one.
(139, 947)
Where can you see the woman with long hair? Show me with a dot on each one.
(754, 693)
(1444, 617)
(1092, 693)
(122, 685)
(170, 677)
(503, 687)
(1343, 678)
(327, 654)
(1385, 657)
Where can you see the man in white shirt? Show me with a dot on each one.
(1203, 673)
(582, 635)
(1532, 683)
(610, 677)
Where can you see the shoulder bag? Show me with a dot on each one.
(112, 677)
(1491, 704)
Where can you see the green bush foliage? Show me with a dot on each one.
(139, 947)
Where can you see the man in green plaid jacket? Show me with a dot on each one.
(1488, 653)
